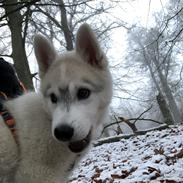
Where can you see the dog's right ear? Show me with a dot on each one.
(88, 47)
(45, 53)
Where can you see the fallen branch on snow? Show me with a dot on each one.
(123, 136)
(131, 122)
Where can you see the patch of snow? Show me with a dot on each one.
(154, 157)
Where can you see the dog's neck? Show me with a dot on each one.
(34, 131)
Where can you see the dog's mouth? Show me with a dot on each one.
(80, 145)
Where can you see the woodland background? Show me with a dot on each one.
(147, 76)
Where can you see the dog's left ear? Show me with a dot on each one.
(45, 53)
(88, 47)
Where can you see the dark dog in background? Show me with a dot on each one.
(10, 86)
(9, 82)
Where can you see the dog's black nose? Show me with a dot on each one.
(64, 132)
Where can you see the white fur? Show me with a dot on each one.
(40, 157)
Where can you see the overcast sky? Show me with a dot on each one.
(133, 11)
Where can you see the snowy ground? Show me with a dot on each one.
(154, 157)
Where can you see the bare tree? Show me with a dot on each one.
(56, 19)
(64, 17)
(151, 51)
(15, 19)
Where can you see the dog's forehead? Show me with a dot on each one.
(70, 70)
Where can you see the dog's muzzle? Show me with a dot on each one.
(64, 133)
(80, 145)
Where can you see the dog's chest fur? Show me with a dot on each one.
(39, 153)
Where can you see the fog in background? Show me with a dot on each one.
(142, 40)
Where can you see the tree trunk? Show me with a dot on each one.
(65, 27)
(167, 91)
(18, 48)
(164, 109)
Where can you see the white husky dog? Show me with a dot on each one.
(55, 126)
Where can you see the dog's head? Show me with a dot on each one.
(77, 88)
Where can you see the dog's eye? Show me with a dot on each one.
(53, 98)
(83, 93)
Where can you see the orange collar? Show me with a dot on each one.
(8, 119)
(10, 122)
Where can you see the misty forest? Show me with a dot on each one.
(147, 74)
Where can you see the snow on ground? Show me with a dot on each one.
(154, 157)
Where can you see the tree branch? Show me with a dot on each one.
(5, 55)
(27, 15)
(32, 2)
(119, 137)
(127, 121)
